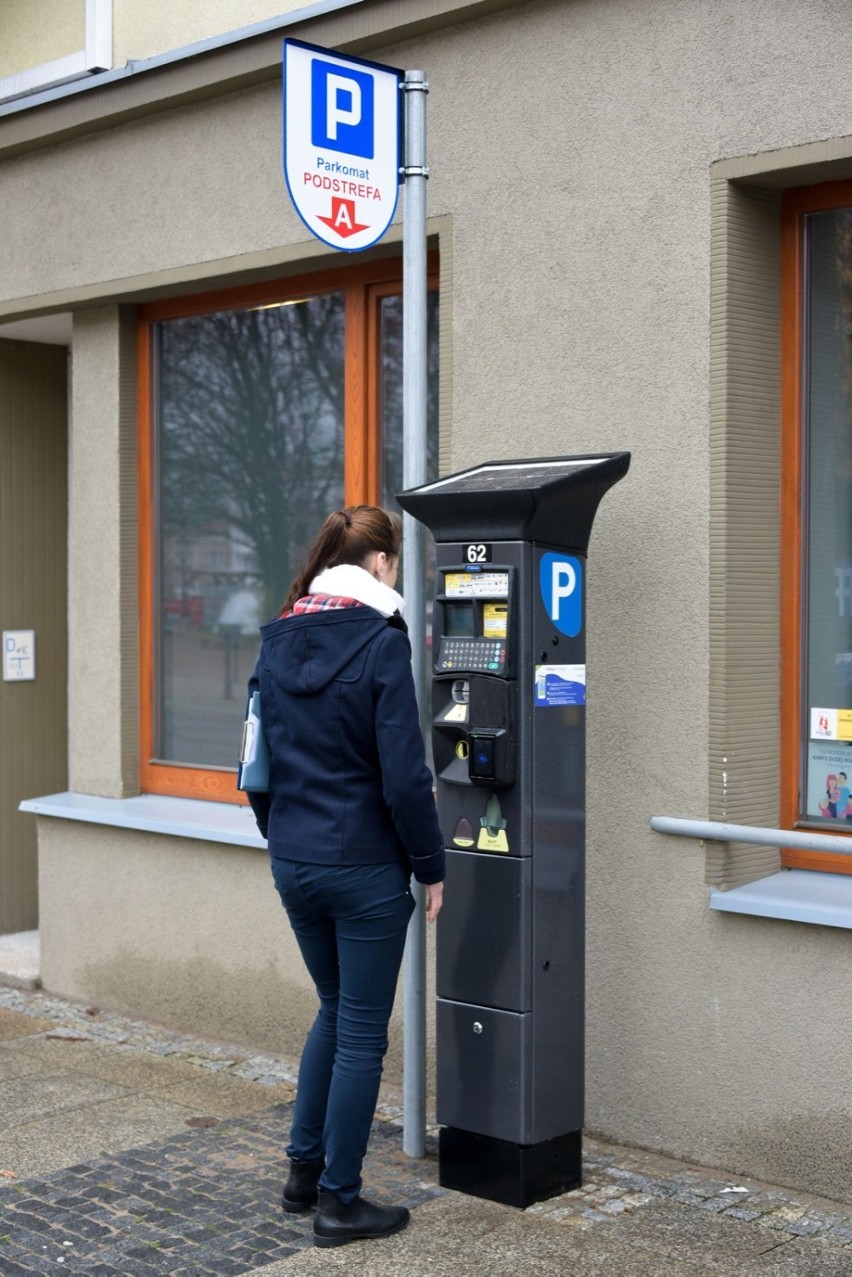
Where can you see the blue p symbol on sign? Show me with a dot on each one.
(342, 110)
(561, 580)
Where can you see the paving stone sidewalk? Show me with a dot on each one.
(191, 1186)
(204, 1202)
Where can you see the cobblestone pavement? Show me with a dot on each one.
(205, 1200)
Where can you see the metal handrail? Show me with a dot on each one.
(721, 831)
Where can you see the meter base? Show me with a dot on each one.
(513, 1174)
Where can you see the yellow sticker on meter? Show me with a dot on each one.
(494, 617)
(492, 840)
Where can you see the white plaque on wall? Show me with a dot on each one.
(18, 655)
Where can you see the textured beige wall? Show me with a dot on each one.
(143, 30)
(570, 147)
(33, 589)
(187, 934)
(36, 31)
(103, 593)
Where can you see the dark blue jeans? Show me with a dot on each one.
(350, 922)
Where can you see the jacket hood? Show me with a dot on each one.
(306, 653)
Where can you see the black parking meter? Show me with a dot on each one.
(508, 736)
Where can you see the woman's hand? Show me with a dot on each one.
(434, 900)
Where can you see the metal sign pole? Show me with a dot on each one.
(414, 474)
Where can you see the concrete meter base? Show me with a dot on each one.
(513, 1174)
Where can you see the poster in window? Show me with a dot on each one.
(829, 795)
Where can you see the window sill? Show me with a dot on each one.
(156, 814)
(794, 895)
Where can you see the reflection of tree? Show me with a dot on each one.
(391, 380)
(252, 429)
(251, 411)
(828, 457)
(843, 424)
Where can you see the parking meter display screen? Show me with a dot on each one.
(458, 620)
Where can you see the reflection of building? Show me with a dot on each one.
(623, 202)
(200, 573)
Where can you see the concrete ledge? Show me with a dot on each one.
(20, 960)
(794, 895)
(156, 813)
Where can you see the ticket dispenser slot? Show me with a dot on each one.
(508, 736)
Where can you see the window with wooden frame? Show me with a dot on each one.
(816, 550)
(260, 410)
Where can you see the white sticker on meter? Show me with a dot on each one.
(560, 685)
(466, 584)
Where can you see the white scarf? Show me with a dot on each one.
(352, 582)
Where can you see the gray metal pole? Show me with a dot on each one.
(414, 474)
(757, 835)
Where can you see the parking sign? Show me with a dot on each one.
(561, 584)
(342, 144)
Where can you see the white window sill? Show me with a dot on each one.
(794, 895)
(156, 814)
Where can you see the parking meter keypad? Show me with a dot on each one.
(486, 656)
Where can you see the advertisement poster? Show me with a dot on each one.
(830, 780)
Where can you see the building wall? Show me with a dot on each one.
(33, 589)
(571, 146)
(39, 31)
(103, 600)
(184, 933)
(143, 31)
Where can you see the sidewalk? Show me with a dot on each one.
(127, 1149)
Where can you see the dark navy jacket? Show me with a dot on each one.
(348, 781)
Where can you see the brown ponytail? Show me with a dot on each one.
(347, 536)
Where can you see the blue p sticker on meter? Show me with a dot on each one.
(561, 582)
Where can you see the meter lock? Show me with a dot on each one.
(492, 834)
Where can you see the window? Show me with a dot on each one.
(817, 517)
(260, 410)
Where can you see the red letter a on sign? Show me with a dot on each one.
(342, 218)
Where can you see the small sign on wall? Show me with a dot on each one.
(18, 655)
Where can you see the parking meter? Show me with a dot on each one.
(508, 737)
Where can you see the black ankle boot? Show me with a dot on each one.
(300, 1191)
(337, 1223)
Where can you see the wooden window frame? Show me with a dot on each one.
(796, 205)
(362, 286)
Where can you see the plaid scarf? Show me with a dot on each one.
(319, 603)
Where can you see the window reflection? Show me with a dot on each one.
(390, 327)
(828, 708)
(391, 354)
(250, 447)
(250, 458)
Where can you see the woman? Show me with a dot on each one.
(828, 805)
(349, 817)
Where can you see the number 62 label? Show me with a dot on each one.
(477, 553)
